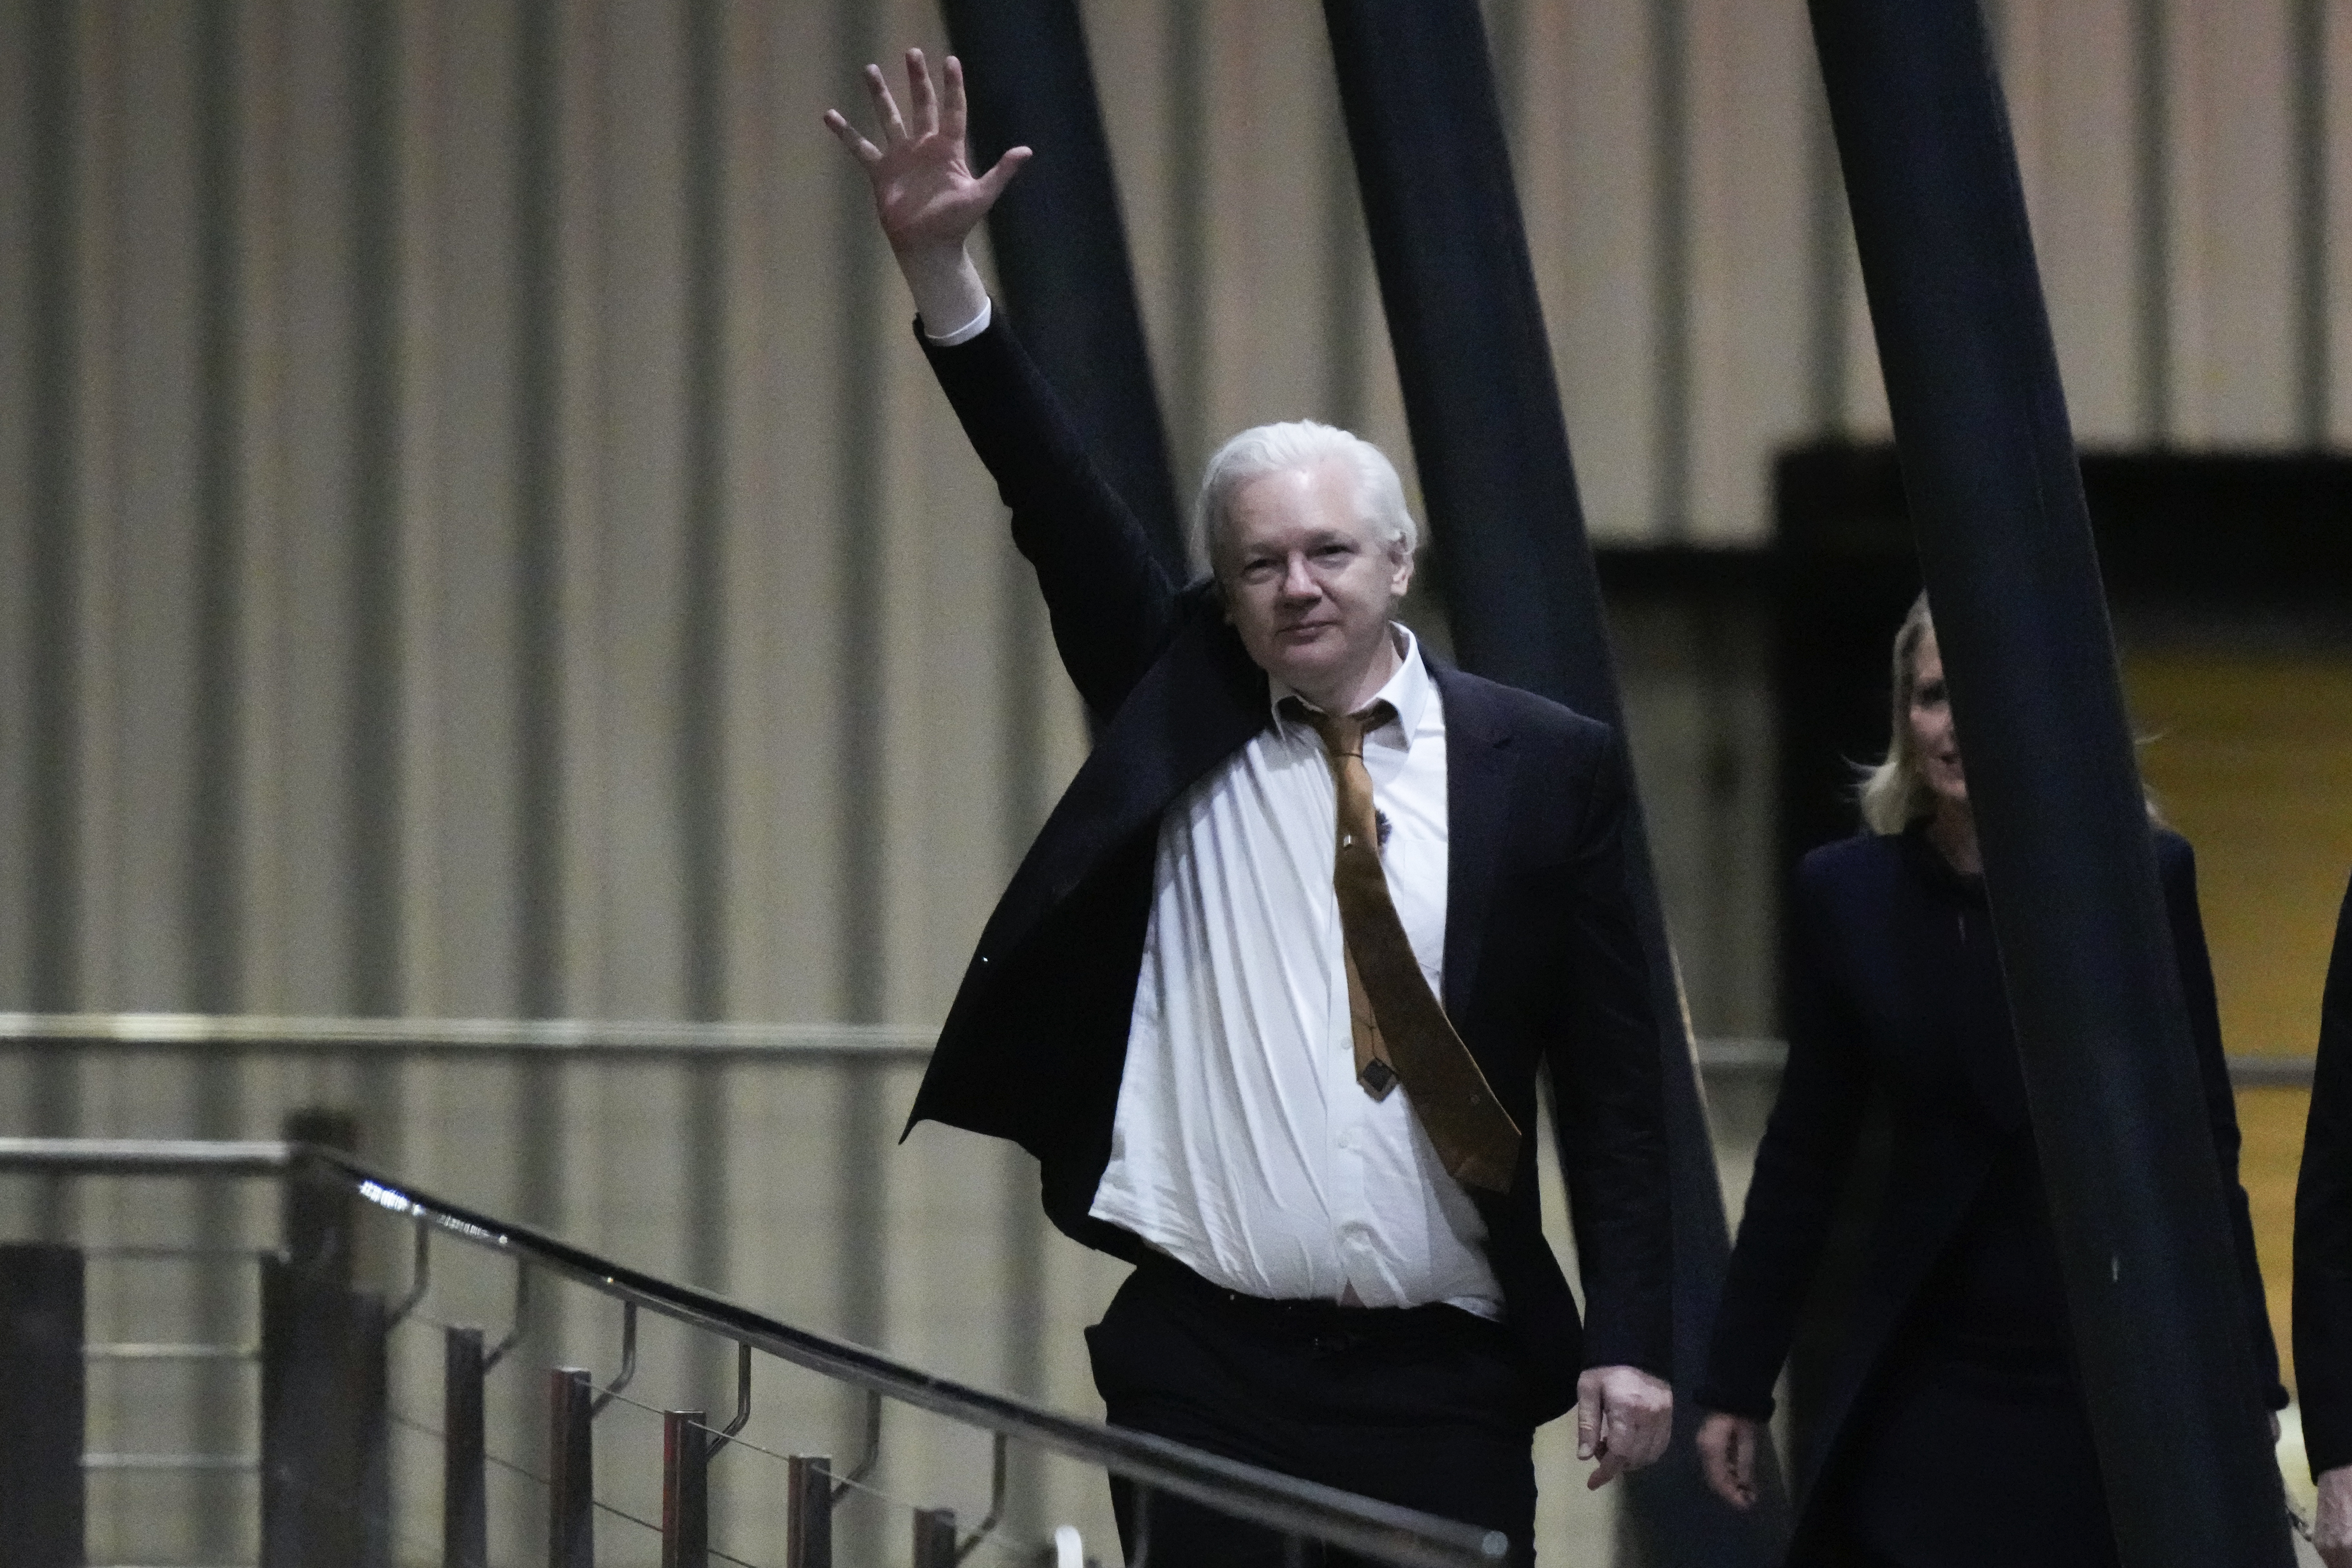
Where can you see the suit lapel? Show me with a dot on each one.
(1199, 703)
(1477, 791)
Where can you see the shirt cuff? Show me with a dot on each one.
(966, 332)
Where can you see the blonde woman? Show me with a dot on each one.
(1951, 1428)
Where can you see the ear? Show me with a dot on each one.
(1401, 574)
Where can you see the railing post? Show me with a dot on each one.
(364, 1416)
(808, 1512)
(685, 1492)
(465, 1517)
(935, 1542)
(41, 1404)
(571, 1468)
(325, 1454)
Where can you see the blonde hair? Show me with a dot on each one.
(1893, 795)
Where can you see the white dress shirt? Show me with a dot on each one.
(1242, 1145)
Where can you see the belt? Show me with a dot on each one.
(1324, 1324)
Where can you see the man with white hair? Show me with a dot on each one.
(1269, 995)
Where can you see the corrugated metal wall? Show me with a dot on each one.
(474, 537)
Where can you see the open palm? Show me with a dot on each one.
(925, 192)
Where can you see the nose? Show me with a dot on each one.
(1298, 583)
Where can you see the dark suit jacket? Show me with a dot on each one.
(1542, 965)
(2323, 1226)
(1895, 990)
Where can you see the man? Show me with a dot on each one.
(1268, 997)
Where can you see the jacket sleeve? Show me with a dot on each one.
(1112, 605)
(1801, 1168)
(2177, 864)
(2323, 1226)
(1609, 1107)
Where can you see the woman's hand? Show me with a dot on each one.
(1727, 1449)
(2331, 1521)
(925, 192)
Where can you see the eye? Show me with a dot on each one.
(1929, 695)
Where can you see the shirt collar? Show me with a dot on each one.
(1407, 691)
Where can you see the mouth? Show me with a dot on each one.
(1303, 632)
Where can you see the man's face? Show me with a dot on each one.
(1308, 584)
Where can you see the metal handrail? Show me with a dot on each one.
(1278, 1503)
(590, 1038)
(466, 1037)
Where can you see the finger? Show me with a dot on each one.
(865, 151)
(992, 185)
(1610, 1468)
(953, 123)
(921, 98)
(1741, 1452)
(1588, 1421)
(886, 108)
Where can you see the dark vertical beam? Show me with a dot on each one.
(52, 842)
(2152, 225)
(1060, 241)
(1995, 501)
(1491, 445)
(42, 1404)
(373, 752)
(2306, 62)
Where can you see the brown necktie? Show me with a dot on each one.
(1397, 1022)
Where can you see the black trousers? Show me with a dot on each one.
(1956, 1464)
(1421, 1406)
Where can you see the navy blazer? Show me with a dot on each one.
(1543, 968)
(2323, 1224)
(1895, 990)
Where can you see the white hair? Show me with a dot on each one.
(1289, 446)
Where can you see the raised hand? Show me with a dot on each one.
(925, 192)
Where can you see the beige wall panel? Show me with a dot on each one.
(264, 130)
(16, 395)
(154, 530)
(1266, 125)
(2235, 302)
(313, 586)
(1583, 151)
(628, 903)
(2067, 71)
(423, 61)
(806, 226)
(591, 70)
(462, 550)
(1129, 42)
(1750, 71)
(2336, 110)
(99, 156)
